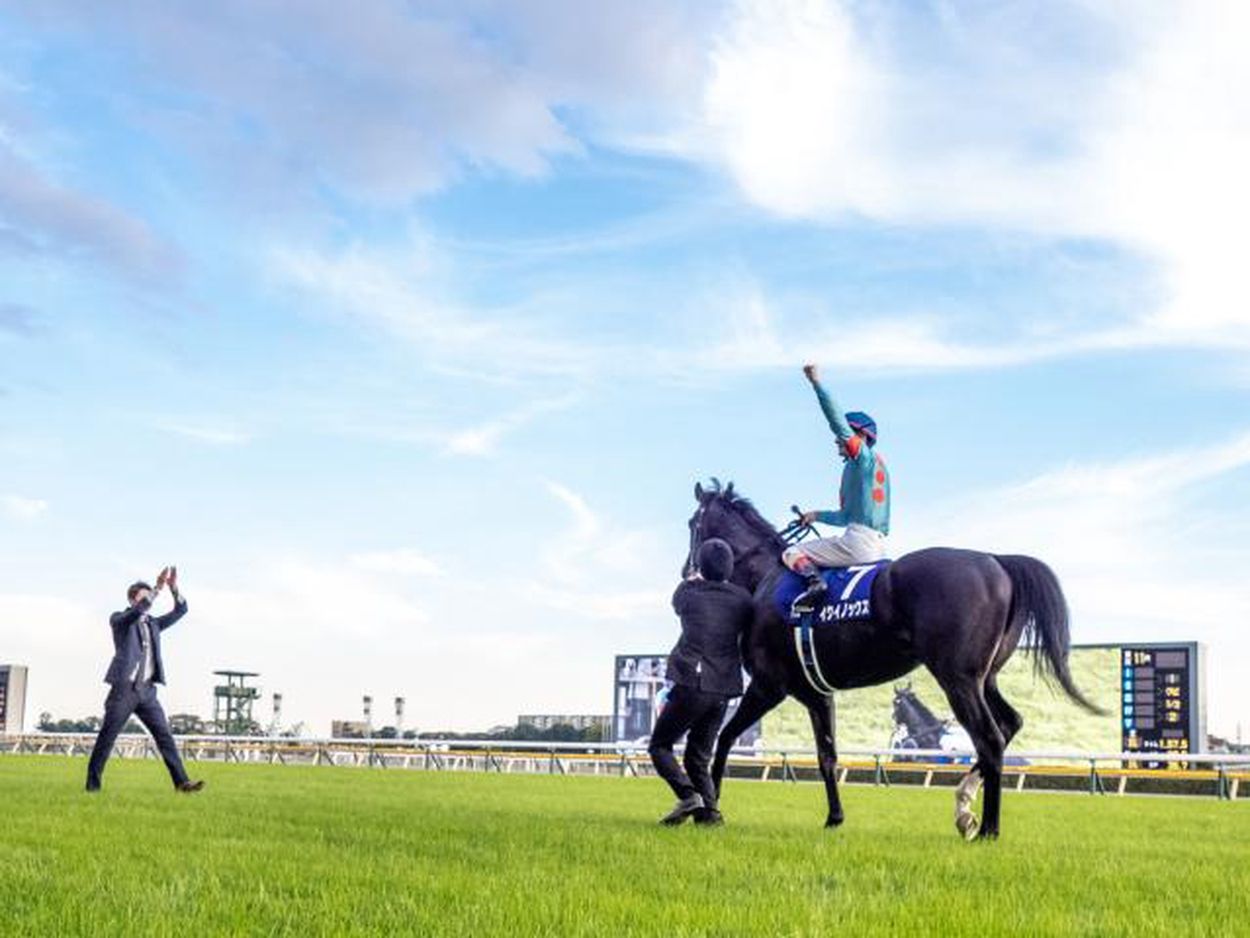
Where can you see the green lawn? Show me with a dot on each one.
(320, 851)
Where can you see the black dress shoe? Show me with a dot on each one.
(189, 787)
(684, 808)
(709, 817)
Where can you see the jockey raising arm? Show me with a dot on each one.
(864, 503)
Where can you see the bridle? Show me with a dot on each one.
(788, 536)
(696, 540)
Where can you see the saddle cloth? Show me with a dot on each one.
(849, 596)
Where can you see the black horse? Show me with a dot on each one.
(959, 613)
(925, 728)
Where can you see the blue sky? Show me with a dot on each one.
(406, 330)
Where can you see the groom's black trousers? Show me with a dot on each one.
(699, 714)
(140, 700)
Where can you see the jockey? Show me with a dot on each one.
(864, 512)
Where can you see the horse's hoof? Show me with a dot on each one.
(986, 834)
(834, 821)
(969, 825)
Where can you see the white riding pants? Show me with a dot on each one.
(857, 544)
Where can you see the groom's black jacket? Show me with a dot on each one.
(713, 618)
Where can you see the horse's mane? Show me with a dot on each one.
(912, 699)
(743, 507)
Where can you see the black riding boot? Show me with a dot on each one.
(814, 595)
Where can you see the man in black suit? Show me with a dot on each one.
(705, 667)
(133, 674)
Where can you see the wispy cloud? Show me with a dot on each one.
(18, 320)
(38, 215)
(397, 292)
(209, 434)
(401, 562)
(483, 439)
(597, 569)
(21, 508)
(754, 333)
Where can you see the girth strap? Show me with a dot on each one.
(806, 648)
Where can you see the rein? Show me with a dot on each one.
(794, 532)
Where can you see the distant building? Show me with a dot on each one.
(12, 698)
(349, 729)
(579, 721)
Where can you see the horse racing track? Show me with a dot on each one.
(284, 850)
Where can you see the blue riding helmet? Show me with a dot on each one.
(864, 424)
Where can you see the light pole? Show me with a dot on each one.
(276, 726)
(399, 717)
(368, 716)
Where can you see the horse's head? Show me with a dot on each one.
(725, 514)
(904, 699)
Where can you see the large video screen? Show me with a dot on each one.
(1121, 679)
(639, 693)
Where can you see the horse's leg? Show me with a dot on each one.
(756, 702)
(968, 703)
(1009, 721)
(821, 712)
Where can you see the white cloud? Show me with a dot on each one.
(21, 508)
(17, 320)
(1140, 545)
(400, 293)
(483, 439)
(597, 569)
(755, 333)
(210, 434)
(56, 637)
(392, 101)
(587, 525)
(40, 215)
(1129, 124)
(403, 562)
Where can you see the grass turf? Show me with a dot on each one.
(321, 851)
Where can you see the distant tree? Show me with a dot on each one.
(234, 728)
(86, 725)
(187, 724)
(386, 732)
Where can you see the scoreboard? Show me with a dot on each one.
(12, 697)
(1161, 700)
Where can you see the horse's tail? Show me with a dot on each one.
(1039, 609)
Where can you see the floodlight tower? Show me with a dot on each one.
(232, 702)
(368, 702)
(399, 717)
(275, 725)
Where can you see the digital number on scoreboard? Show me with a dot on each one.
(1157, 711)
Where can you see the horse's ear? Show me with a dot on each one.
(729, 492)
(698, 492)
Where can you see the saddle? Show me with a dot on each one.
(848, 598)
